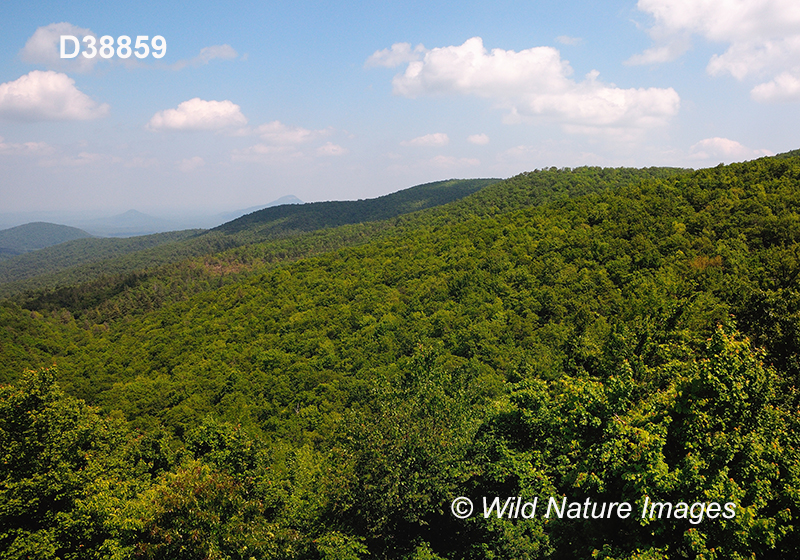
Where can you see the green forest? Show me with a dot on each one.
(326, 381)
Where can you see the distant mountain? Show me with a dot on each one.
(288, 199)
(36, 235)
(129, 224)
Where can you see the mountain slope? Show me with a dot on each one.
(584, 347)
(46, 266)
(318, 215)
(506, 289)
(86, 261)
(36, 235)
(135, 290)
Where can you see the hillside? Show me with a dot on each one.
(228, 258)
(594, 334)
(280, 220)
(36, 235)
(82, 262)
(86, 258)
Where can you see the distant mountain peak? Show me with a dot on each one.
(288, 199)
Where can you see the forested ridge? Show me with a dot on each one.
(602, 334)
(86, 260)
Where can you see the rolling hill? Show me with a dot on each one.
(36, 235)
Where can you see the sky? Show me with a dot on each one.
(253, 101)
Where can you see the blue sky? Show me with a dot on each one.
(334, 101)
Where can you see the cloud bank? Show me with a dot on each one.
(763, 38)
(533, 83)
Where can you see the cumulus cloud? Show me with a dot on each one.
(535, 82)
(47, 96)
(763, 37)
(478, 139)
(188, 165)
(331, 149)
(207, 54)
(398, 54)
(198, 114)
(436, 139)
(278, 133)
(784, 87)
(725, 150)
(44, 47)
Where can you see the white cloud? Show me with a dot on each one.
(725, 150)
(763, 38)
(277, 133)
(25, 148)
(331, 149)
(567, 40)
(784, 87)
(535, 83)
(190, 164)
(399, 53)
(44, 47)
(47, 96)
(436, 139)
(478, 139)
(724, 20)
(207, 54)
(198, 114)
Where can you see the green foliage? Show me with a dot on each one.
(715, 433)
(197, 512)
(81, 259)
(327, 394)
(124, 260)
(58, 458)
(407, 457)
(279, 220)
